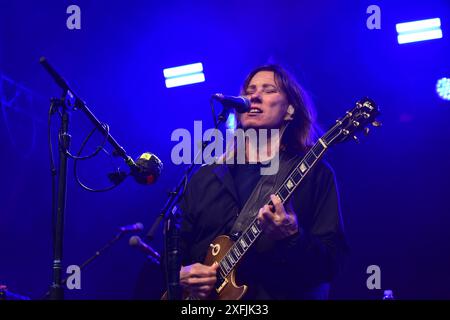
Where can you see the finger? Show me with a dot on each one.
(198, 282)
(204, 295)
(269, 209)
(201, 270)
(284, 214)
(260, 217)
(205, 281)
(279, 208)
(201, 292)
(291, 216)
(268, 217)
(203, 289)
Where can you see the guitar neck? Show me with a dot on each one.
(254, 230)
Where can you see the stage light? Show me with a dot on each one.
(184, 75)
(185, 80)
(420, 30)
(443, 88)
(231, 122)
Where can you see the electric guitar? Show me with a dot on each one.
(229, 253)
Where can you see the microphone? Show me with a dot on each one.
(132, 227)
(240, 103)
(135, 241)
(147, 168)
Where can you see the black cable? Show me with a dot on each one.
(52, 161)
(99, 148)
(77, 158)
(211, 102)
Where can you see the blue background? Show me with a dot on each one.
(394, 186)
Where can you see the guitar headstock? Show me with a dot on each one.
(358, 119)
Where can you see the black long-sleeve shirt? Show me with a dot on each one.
(298, 267)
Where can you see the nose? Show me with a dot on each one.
(256, 97)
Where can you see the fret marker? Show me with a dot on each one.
(303, 168)
(290, 184)
(323, 143)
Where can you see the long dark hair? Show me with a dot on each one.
(302, 131)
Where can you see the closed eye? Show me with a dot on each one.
(267, 88)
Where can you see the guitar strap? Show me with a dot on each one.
(267, 185)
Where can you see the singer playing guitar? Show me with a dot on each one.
(302, 241)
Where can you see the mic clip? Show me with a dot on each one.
(117, 177)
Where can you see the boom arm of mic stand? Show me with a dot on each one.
(118, 148)
(80, 104)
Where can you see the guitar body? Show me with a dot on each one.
(229, 290)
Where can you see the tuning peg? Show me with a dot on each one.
(356, 139)
(366, 131)
(376, 124)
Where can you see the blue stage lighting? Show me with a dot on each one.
(420, 30)
(184, 75)
(443, 88)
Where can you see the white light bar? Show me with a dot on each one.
(185, 80)
(420, 36)
(183, 70)
(420, 30)
(184, 75)
(416, 26)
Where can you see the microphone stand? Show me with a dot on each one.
(171, 215)
(56, 290)
(68, 95)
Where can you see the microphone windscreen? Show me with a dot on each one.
(149, 168)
